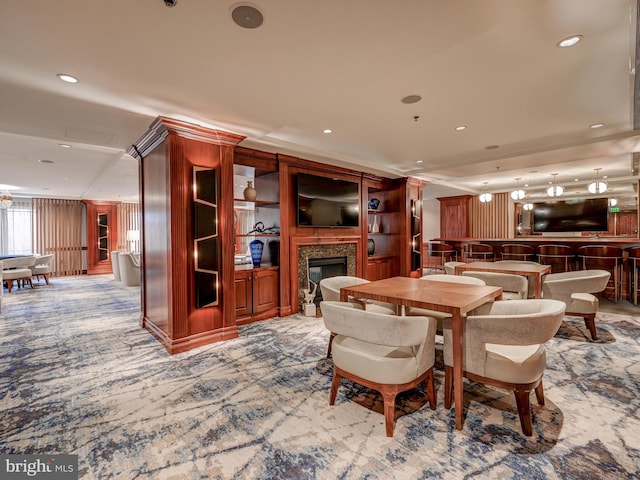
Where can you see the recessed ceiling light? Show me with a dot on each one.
(46, 161)
(67, 78)
(64, 145)
(411, 99)
(597, 125)
(460, 128)
(492, 147)
(569, 41)
(419, 161)
(327, 130)
(247, 16)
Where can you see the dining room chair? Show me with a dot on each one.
(604, 257)
(576, 290)
(440, 316)
(18, 269)
(504, 347)
(450, 267)
(115, 264)
(387, 353)
(531, 292)
(42, 267)
(514, 287)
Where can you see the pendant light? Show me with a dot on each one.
(527, 206)
(6, 200)
(485, 196)
(597, 186)
(518, 193)
(554, 189)
(613, 202)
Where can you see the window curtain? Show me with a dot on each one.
(58, 229)
(128, 219)
(15, 228)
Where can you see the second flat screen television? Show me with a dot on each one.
(327, 202)
(579, 215)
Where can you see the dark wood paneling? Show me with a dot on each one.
(454, 216)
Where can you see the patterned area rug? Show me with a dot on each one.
(79, 376)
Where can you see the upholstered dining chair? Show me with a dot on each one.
(514, 287)
(531, 281)
(129, 269)
(42, 267)
(440, 277)
(18, 270)
(330, 290)
(115, 264)
(504, 347)
(576, 290)
(1, 285)
(387, 353)
(450, 267)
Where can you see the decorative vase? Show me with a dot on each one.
(371, 247)
(256, 248)
(249, 192)
(373, 203)
(375, 228)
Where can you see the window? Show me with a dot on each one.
(15, 228)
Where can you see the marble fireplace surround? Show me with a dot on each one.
(304, 249)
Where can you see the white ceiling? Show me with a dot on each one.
(492, 66)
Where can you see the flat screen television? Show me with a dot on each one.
(327, 202)
(576, 215)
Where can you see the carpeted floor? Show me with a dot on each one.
(80, 377)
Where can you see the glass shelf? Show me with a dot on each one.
(258, 235)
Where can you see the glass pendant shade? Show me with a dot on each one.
(528, 206)
(485, 196)
(518, 193)
(555, 190)
(597, 186)
(6, 200)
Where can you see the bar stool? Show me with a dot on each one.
(604, 257)
(562, 258)
(516, 251)
(473, 252)
(440, 253)
(634, 264)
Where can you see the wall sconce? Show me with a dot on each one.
(555, 190)
(597, 186)
(485, 196)
(518, 193)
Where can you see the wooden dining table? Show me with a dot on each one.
(453, 298)
(527, 269)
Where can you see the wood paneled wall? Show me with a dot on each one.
(492, 219)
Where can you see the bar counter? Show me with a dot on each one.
(534, 241)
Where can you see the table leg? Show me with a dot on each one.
(458, 364)
(538, 286)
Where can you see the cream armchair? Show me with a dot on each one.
(129, 269)
(387, 353)
(575, 289)
(18, 269)
(115, 264)
(504, 347)
(450, 267)
(42, 267)
(514, 287)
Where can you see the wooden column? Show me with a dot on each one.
(168, 153)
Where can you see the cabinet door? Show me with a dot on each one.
(244, 293)
(265, 290)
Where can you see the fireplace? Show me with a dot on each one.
(326, 254)
(320, 268)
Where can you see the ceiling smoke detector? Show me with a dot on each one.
(247, 16)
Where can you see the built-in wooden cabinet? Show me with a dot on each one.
(256, 294)
(380, 267)
(454, 216)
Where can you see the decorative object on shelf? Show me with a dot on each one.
(371, 247)
(274, 252)
(250, 193)
(256, 248)
(309, 296)
(374, 203)
(375, 228)
(6, 200)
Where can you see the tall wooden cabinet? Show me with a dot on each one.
(454, 216)
(102, 235)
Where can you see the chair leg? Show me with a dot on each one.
(9, 285)
(524, 410)
(46, 278)
(448, 386)
(430, 383)
(590, 322)
(334, 386)
(540, 393)
(331, 337)
(389, 393)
